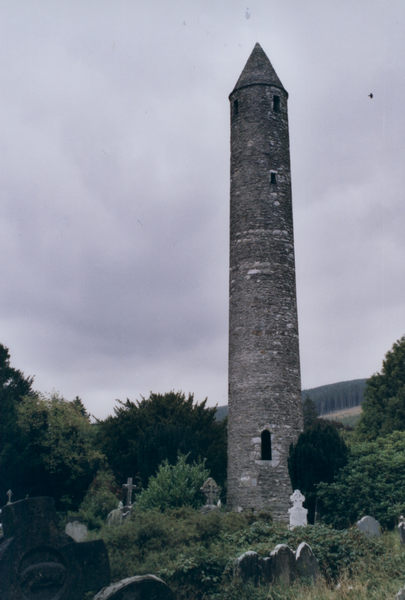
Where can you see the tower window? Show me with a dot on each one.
(276, 103)
(273, 178)
(266, 445)
(235, 108)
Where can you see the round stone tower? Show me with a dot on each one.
(265, 410)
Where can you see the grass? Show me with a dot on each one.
(194, 554)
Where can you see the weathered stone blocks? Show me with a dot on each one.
(265, 412)
(141, 587)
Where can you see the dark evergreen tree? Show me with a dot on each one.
(383, 409)
(310, 412)
(140, 435)
(14, 385)
(317, 456)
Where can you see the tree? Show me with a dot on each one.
(55, 452)
(317, 456)
(14, 385)
(141, 435)
(100, 498)
(310, 412)
(372, 482)
(383, 409)
(174, 486)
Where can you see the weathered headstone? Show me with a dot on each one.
(306, 563)
(37, 562)
(266, 569)
(76, 530)
(211, 491)
(145, 587)
(247, 567)
(118, 515)
(401, 529)
(298, 514)
(283, 564)
(369, 526)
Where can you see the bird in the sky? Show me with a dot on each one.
(371, 95)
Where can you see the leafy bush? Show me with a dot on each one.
(371, 483)
(99, 500)
(174, 486)
(56, 452)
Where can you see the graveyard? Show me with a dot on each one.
(188, 553)
(175, 537)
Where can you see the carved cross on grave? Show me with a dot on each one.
(129, 487)
(298, 514)
(297, 498)
(9, 496)
(211, 490)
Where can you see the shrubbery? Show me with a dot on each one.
(372, 482)
(194, 553)
(100, 499)
(174, 486)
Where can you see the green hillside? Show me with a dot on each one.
(328, 398)
(336, 396)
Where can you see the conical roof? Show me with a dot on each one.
(258, 70)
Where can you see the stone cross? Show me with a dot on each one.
(129, 487)
(211, 490)
(9, 496)
(298, 514)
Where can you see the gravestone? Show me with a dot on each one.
(369, 526)
(37, 562)
(247, 567)
(76, 530)
(401, 529)
(401, 594)
(298, 514)
(306, 564)
(211, 491)
(283, 564)
(266, 569)
(145, 587)
(130, 487)
(116, 516)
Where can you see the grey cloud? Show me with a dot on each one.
(114, 188)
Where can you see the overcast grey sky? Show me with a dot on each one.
(114, 183)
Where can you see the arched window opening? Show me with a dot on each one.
(235, 108)
(266, 445)
(276, 103)
(273, 178)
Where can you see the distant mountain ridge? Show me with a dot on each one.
(336, 396)
(328, 398)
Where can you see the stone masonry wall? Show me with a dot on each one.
(264, 373)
